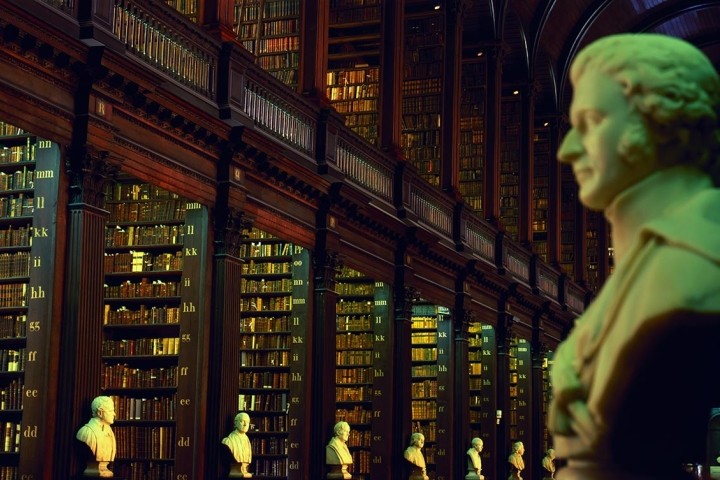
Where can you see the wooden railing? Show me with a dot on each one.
(365, 167)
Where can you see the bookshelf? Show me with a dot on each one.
(154, 259)
(29, 173)
(568, 212)
(594, 254)
(421, 90)
(272, 350)
(189, 8)
(354, 374)
(472, 133)
(270, 29)
(540, 198)
(487, 423)
(510, 150)
(547, 362)
(353, 73)
(520, 365)
(430, 340)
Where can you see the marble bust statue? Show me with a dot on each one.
(239, 445)
(474, 462)
(99, 437)
(632, 382)
(413, 454)
(548, 464)
(517, 464)
(337, 454)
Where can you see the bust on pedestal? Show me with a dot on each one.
(474, 462)
(337, 454)
(239, 444)
(548, 464)
(414, 455)
(517, 464)
(99, 437)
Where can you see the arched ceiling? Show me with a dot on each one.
(541, 37)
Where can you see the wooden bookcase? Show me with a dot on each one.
(540, 198)
(568, 213)
(354, 374)
(472, 133)
(487, 424)
(510, 151)
(155, 256)
(189, 8)
(29, 173)
(274, 290)
(353, 73)
(547, 362)
(520, 366)
(422, 90)
(594, 255)
(270, 29)
(430, 340)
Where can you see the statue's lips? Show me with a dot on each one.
(582, 174)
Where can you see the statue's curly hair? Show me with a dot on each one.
(673, 86)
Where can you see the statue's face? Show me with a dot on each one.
(243, 423)
(420, 441)
(106, 413)
(479, 446)
(344, 433)
(600, 115)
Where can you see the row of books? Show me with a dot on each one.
(251, 285)
(12, 360)
(356, 393)
(144, 288)
(353, 375)
(13, 206)
(258, 358)
(268, 446)
(147, 211)
(19, 180)
(142, 262)
(145, 442)
(423, 410)
(13, 326)
(353, 323)
(424, 389)
(141, 347)
(11, 396)
(13, 236)
(257, 267)
(14, 294)
(262, 249)
(283, 60)
(11, 437)
(279, 324)
(144, 315)
(17, 153)
(368, 119)
(144, 470)
(157, 408)
(273, 304)
(422, 338)
(263, 402)
(353, 13)
(354, 307)
(360, 75)
(123, 376)
(353, 92)
(276, 423)
(144, 235)
(344, 341)
(265, 341)
(356, 415)
(424, 371)
(122, 191)
(274, 380)
(354, 106)
(9, 130)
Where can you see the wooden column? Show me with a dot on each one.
(460, 387)
(80, 364)
(405, 295)
(391, 76)
(504, 334)
(554, 197)
(326, 263)
(491, 173)
(313, 48)
(450, 128)
(225, 325)
(527, 157)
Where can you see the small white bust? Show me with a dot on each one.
(474, 461)
(414, 455)
(99, 437)
(239, 444)
(337, 454)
